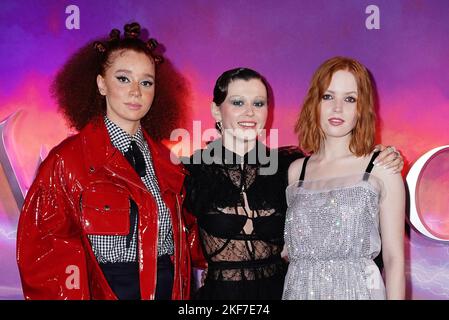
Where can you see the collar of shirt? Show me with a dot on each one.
(121, 139)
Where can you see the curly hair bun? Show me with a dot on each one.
(132, 30)
(152, 44)
(99, 46)
(114, 35)
(158, 59)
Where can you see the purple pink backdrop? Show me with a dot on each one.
(284, 40)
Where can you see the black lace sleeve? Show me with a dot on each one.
(191, 184)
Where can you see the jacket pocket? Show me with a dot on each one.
(105, 213)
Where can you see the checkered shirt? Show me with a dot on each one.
(113, 248)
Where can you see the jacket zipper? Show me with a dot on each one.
(152, 295)
(178, 211)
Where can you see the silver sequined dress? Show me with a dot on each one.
(332, 236)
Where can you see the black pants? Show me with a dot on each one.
(165, 275)
(123, 278)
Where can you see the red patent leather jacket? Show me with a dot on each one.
(83, 187)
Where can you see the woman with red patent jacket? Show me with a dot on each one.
(102, 220)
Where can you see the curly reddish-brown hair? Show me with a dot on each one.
(76, 92)
(310, 133)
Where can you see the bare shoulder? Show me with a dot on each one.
(294, 170)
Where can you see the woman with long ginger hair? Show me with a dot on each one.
(339, 202)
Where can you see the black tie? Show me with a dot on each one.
(136, 159)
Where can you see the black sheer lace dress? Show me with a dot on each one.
(240, 204)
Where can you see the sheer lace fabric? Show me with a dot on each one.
(228, 199)
(235, 254)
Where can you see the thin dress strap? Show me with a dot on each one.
(370, 166)
(303, 171)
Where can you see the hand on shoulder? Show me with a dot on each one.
(393, 182)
